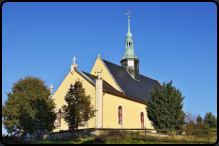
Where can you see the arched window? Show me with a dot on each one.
(59, 118)
(142, 120)
(120, 115)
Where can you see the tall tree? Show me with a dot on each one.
(28, 107)
(199, 123)
(199, 119)
(164, 109)
(210, 120)
(78, 108)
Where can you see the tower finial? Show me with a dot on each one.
(99, 73)
(51, 87)
(129, 33)
(128, 13)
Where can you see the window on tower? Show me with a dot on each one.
(124, 64)
(136, 64)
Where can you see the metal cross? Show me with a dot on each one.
(128, 12)
(74, 60)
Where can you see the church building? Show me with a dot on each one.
(118, 92)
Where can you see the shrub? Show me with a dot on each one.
(113, 135)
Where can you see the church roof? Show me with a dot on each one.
(139, 90)
(106, 86)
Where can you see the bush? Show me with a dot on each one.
(113, 135)
(198, 126)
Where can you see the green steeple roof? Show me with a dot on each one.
(129, 51)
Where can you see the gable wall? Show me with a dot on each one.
(131, 113)
(59, 96)
(104, 73)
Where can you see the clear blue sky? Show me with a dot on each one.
(174, 41)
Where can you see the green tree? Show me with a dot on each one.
(78, 108)
(164, 109)
(28, 107)
(199, 119)
(210, 120)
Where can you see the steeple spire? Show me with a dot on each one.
(128, 35)
(129, 61)
(129, 43)
(128, 22)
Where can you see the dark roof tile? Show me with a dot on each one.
(136, 89)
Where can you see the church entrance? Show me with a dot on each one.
(142, 120)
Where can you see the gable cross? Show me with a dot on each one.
(74, 60)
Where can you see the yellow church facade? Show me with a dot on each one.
(118, 93)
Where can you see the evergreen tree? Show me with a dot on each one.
(199, 119)
(78, 108)
(28, 107)
(164, 109)
(210, 120)
(200, 125)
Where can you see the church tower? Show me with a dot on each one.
(129, 61)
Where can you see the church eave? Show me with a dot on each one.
(113, 88)
(85, 76)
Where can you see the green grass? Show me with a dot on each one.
(107, 138)
(91, 141)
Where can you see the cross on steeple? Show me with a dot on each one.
(74, 60)
(128, 13)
